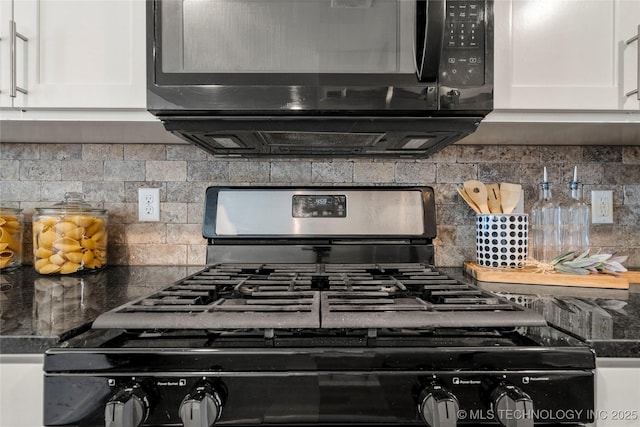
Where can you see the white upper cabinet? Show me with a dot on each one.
(79, 54)
(630, 29)
(566, 54)
(88, 56)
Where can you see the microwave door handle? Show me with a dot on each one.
(430, 17)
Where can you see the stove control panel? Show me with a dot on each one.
(505, 403)
(436, 399)
(514, 399)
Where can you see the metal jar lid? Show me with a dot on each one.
(4, 210)
(73, 203)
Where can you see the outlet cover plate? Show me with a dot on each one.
(602, 207)
(149, 204)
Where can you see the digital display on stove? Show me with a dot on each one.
(319, 206)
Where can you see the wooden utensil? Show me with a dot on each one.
(510, 196)
(477, 191)
(467, 199)
(493, 198)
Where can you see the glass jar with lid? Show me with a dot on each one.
(11, 232)
(69, 237)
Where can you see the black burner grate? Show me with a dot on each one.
(295, 296)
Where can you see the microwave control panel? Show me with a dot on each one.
(464, 44)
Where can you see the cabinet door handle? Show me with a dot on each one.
(636, 38)
(15, 35)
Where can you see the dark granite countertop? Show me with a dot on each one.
(609, 319)
(38, 312)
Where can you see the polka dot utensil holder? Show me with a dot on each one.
(502, 240)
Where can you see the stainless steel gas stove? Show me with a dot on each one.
(320, 306)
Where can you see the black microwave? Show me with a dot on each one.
(395, 78)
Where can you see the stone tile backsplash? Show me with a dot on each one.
(34, 175)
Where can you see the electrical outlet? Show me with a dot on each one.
(602, 207)
(149, 204)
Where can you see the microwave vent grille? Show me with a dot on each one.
(321, 140)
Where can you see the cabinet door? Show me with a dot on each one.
(618, 394)
(561, 54)
(629, 26)
(83, 53)
(5, 53)
(21, 388)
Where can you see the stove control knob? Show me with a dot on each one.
(129, 407)
(438, 407)
(202, 407)
(511, 406)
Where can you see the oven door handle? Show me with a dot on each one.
(429, 35)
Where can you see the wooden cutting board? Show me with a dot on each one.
(528, 275)
(632, 276)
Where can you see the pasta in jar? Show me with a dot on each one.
(11, 231)
(69, 237)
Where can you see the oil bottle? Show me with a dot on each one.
(546, 236)
(574, 218)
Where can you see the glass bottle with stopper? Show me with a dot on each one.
(546, 236)
(574, 218)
